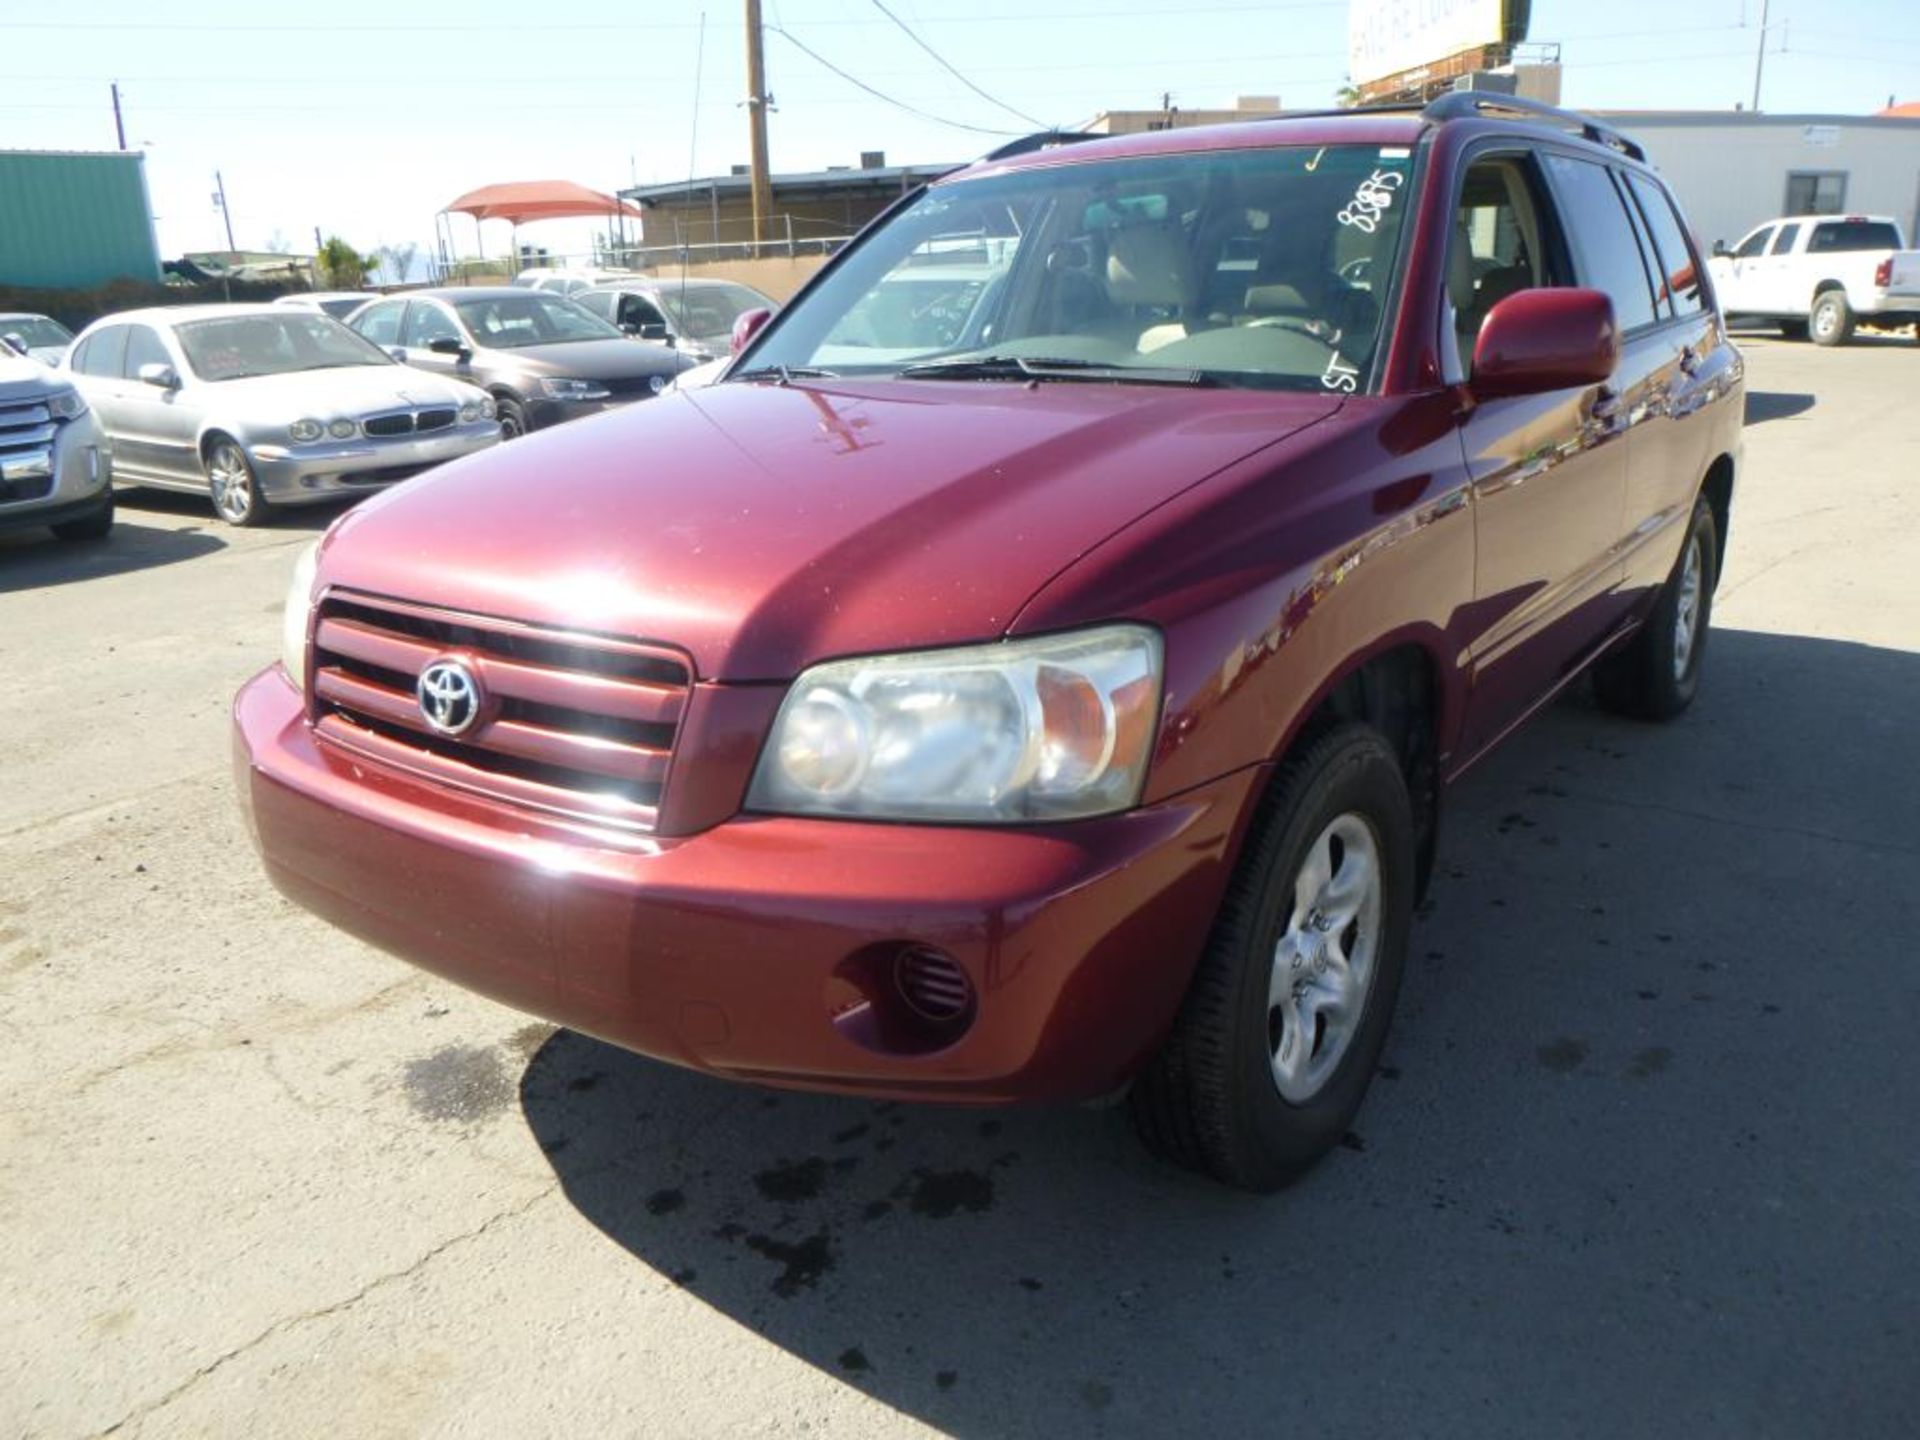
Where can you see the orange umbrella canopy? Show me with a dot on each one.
(524, 200)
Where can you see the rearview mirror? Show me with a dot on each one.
(14, 342)
(398, 352)
(447, 345)
(159, 375)
(749, 325)
(1539, 340)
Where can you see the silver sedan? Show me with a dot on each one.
(259, 406)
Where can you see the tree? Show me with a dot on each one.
(396, 262)
(341, 267)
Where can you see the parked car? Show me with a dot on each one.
(565, 281)
(35, 336)
(259, 406)
(56, 467)
(1823, 275)
(542, 358)
(337, 303)
(1066, 712)
(694, 316)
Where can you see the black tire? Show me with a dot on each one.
(1794, 329)
(513, 417)
(1831, 322)
(1647, 679)
(232, 484)
(1210, 1100)
(96, 526)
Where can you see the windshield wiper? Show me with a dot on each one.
(1020, 367)
(785, 374)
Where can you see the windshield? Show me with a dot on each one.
(36, 330)
(508, 322)
(707, 312)
(1254, 267)
(243, 346)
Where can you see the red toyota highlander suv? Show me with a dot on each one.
(1034, 669)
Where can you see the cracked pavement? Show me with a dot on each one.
(1640, 1159)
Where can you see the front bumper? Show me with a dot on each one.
(731, 950)
(543, 411)
(295, 474)
(62, 477)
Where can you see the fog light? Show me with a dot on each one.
(932, 984)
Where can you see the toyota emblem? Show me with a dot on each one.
(449, 697)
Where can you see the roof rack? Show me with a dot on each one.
(1465, 104)
(1039, 140)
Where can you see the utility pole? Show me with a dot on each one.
(757, 117)
(1760, 57)
(220, 198)
(119, 125)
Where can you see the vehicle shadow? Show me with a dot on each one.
(1591, 1190)
(1765, 405)
(32, 559)
(179, 502)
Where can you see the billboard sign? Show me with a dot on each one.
(1388, 37)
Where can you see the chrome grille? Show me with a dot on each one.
(434, 420)
(576, 724)
(383, 426)
(27, 430)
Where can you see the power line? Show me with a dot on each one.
(941, 60)
(854, 80)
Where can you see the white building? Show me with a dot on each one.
(1734, 169)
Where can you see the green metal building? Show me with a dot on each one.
(73, 219)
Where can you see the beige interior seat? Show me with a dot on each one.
(1151, 265)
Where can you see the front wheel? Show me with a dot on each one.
(1658, 673)
(513, 417)
(1276, 1041)
(1832, 319)
(233, 485)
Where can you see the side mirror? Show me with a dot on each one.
(398, 352)
(1720, 250)
(447, 345)
(1540, 340)
(655, 331)
(749, 325)
(158, 375)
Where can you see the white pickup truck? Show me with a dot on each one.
(1821, 274)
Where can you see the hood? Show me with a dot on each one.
(765, 527)
(358, 390)
(25, 379)
(591, 359)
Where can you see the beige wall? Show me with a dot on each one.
(776, 277)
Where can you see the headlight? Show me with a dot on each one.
(473, 410)
(306, 431)
(293, 618)
(559, 389)
(343, 429)
(658, 383)
(66, 404)
(1048, 729)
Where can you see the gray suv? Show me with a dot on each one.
(56, 468)
(542, 358)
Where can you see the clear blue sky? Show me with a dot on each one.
(368, 126)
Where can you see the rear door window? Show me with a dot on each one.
(381, 323)
(1783, 242)
(599, 302)
(1606, 250)
(1675, 263)
(105, 352)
